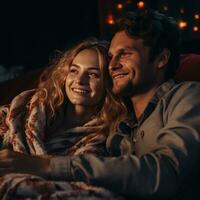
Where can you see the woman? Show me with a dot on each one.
(70, 113)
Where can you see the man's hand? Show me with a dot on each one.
(15, 162)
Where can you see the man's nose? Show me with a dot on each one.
(114, 64)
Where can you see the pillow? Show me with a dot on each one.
(189, 69)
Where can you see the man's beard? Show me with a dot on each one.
(130, 89)
(123, 90)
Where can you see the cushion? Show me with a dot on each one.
(189, 69)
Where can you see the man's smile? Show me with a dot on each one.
(119, 75)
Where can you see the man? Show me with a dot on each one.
(155, 152)
(144, 55)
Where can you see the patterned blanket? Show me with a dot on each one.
(26, 187)
(22, 128)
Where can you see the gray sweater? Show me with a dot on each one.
(156, 156)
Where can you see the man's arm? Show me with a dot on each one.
(158, 173)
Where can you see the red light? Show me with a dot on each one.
(120, 6)
(196, 16)
(195, 28)
(141, 4)
(182, 24)
(110, 19)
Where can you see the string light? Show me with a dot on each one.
(110, 19)
(165, 8)
(141, 4)
(182, 24)
(196, 16)
(182, 11)
(195, 28)
(119, 6)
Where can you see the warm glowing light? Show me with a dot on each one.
(140, 4)
(197, 16)
(182, 10)
(120, 6)
(195, 28)
(165, 8)
(110, 19)
(128, 1)
(182, 24)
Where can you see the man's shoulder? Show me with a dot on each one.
(170, 90)
(188, 92)
(189, 87)
(188, 84)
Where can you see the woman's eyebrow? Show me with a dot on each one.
(89, 68)
(74, 65)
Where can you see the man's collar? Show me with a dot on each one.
(160, 92)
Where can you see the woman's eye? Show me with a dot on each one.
(73, 71)
(93, 75)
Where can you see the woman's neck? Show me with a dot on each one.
(78, 115)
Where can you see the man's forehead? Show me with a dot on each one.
(121, 37)
(120, 48)
(121, 41)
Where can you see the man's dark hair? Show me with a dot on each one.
(157, 31)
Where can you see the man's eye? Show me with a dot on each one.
(110, 57)
(125, 54)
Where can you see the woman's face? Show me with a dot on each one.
(84, 83)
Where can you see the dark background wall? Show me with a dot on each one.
(181, 10)
(31, 31)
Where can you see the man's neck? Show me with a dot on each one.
(141, 101)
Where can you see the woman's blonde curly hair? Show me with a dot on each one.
(52, 86)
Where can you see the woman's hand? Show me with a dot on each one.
(15, 162)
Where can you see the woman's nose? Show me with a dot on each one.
(82, 79)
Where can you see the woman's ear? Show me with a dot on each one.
(163, 58)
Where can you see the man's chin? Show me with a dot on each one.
(123, 90)
(120, 87)
(118, 91)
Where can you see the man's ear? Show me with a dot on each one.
(163, 58)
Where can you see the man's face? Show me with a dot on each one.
(130, 69)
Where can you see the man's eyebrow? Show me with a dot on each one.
(120, 50)
(127, 48)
